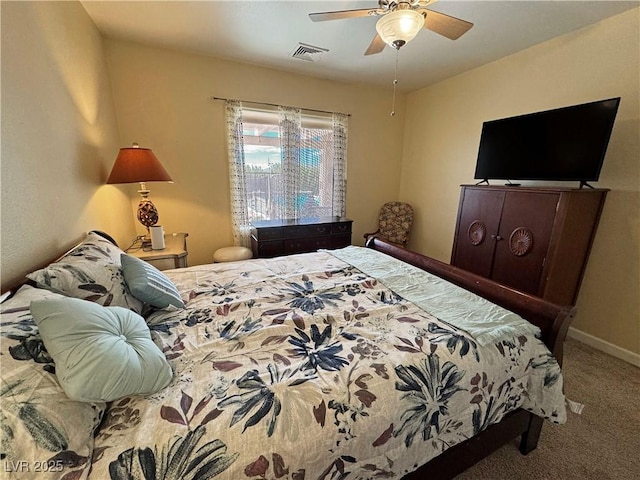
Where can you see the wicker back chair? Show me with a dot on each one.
(394, 223)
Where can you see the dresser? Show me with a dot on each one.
(271, 238)
(535, 239)
(173, 255)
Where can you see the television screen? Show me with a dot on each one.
(563, 144)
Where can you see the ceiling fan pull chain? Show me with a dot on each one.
(395, 82)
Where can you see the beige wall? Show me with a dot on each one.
(163, 102)
(444, 122)
(59, 135)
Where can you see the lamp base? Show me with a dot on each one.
(147, 213)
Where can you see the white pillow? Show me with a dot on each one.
(100, 353)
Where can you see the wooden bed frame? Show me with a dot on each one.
(553, 320)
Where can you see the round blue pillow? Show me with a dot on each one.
(100, 353)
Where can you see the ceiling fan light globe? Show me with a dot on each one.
(400, 25)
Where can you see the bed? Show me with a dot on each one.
(326, 365)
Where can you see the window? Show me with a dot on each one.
(284, 164)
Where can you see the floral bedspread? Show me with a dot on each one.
(303, 367)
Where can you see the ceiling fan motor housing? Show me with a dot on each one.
(400, 26)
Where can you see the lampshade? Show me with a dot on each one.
(135, 164)
(399, 27)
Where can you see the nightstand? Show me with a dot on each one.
(173, 255)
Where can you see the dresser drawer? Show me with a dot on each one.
(271, 233)
(309, 244)
(266, 249)
(343, 227)
(340, 241)
(307, 230)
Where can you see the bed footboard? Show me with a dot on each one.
(553, 321)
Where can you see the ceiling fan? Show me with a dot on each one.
(400, 21)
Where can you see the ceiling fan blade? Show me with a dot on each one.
(376, 45)
(323, 16)
(446, 25)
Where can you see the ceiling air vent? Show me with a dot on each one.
(308, 52)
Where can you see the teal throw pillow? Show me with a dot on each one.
(100, 353)
(147, 283)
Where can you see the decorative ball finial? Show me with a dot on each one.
(147, 213)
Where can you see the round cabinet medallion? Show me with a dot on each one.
(477, 231)
(521, 241)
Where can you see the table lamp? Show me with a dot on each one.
(135, 164)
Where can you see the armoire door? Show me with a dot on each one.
(478, 222)
(523, 239)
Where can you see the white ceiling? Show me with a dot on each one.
(266, 32)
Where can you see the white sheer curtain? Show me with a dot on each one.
(235, 145)
(311, 184)
(339, 164)
(290, 134)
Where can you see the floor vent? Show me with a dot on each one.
(308, 52)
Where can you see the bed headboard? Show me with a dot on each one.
(553, 320)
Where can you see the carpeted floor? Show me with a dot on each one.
(601, 443)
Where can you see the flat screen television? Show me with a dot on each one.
(564, 144)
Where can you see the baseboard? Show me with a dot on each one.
(604, 346)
